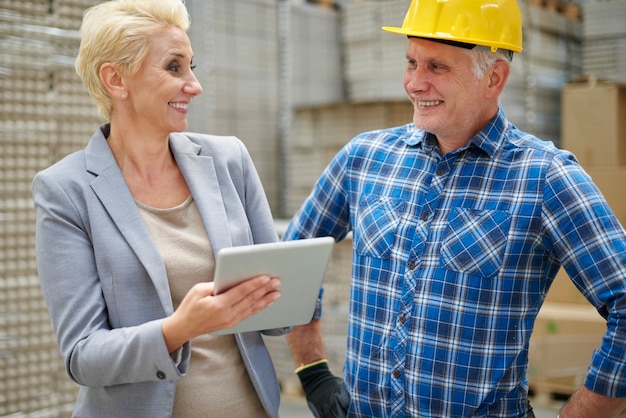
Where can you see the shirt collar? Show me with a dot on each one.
(488, 139)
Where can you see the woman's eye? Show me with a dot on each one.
(173, 67)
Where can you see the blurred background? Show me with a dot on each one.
(296, 80)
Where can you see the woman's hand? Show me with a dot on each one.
(202, 312)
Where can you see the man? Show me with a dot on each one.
(460, 223)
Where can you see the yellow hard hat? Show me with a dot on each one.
(491, 23)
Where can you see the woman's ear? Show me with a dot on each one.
(112, 79)
(498, 75)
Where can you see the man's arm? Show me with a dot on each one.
(588, 404)
(326, 394)
(306, 343)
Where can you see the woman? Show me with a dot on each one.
(128, 227)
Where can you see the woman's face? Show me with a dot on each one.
(159, 94)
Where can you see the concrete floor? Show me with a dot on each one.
(295, 407)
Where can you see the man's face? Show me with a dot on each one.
(448, 100)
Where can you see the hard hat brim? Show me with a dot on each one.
(401, 31)
(394, 29)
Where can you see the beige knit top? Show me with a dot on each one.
(217, 384)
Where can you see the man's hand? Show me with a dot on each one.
(326, 394)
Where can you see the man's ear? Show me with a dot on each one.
(112, 79)
(497, 75)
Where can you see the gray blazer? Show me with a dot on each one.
(104, 281)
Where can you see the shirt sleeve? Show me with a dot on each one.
(590, 243)
(326, 211)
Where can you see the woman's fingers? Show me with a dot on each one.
(202, 312)
(252, 296)
(237, 303)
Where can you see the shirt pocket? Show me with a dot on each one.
(376, 224)
(475, 241)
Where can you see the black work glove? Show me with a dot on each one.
(326, 394)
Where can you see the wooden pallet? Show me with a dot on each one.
(547, 393)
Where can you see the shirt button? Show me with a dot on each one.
(160, 375)
(440, 171)
(424, 217)
(402, 319)
(411, 265)
(397, 373)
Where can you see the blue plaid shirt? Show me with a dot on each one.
(453, 256)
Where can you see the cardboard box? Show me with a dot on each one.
(564, 291)
(561, 346)
(567, 320)
(594, 122)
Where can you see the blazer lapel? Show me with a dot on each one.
(201, 177)
(110, 187)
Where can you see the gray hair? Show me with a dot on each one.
(483, 58)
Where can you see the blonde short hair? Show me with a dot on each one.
(119, 32)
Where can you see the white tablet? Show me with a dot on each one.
(300, 265)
